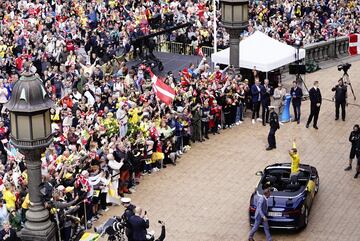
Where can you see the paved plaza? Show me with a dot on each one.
(206, 196)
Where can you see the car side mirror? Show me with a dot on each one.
(259, 173)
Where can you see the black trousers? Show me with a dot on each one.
(215, 128)
(314, 113)
(271, 137)
(67, 233)
(297, 112)
(256, 110)
(337, 109)
(103, 200)
(205, 128)
(228, 119)
(265, 114)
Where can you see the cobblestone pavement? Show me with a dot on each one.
(206, 196)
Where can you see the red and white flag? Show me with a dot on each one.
(164, 92)
(354, 44)
(199, 52)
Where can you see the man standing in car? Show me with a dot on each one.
(315, 103)
(260, 216)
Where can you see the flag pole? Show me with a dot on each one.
(215, 30)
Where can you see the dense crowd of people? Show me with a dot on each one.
(311, 21)
(109, 126)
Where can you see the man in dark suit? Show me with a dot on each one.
(274, 126)
(266, 92)
(7, 233)
(315, 103)
(340, 99)
(139, 223)
(260, 216)
(296, 96)
(256, 99)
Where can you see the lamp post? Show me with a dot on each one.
(30, 127)
(234, 18)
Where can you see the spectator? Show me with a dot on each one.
(8, 233)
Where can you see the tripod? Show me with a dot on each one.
(301, 82)
(346, 80)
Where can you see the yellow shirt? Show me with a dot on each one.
(3, 48)
(26, 202)
(9, 198)
(295, 161)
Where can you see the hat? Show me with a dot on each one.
(125, 200)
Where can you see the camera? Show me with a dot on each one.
(114, 226)
(344, 67)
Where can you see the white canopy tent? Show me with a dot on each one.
(261, 51)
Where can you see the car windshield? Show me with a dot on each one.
(282, 183)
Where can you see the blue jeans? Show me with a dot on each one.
(178, 143)
(239, 113)
(258, 221)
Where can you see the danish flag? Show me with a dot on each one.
(164, 92)
(354, 44)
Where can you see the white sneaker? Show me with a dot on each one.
(180, 153)
(240, 122)
(154, 169)
(259, 119)
(237, 123)
(253, 121)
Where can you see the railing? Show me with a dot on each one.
(321, 51)
(332, 48)
(180, 48)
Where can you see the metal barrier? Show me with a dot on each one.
(180, 48)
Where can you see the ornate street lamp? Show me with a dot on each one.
(30, 127)
(234, 18)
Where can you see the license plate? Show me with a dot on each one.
(275, 214)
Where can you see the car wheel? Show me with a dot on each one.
(306, 217)
(317, 184)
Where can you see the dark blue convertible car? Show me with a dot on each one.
(291, 198)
